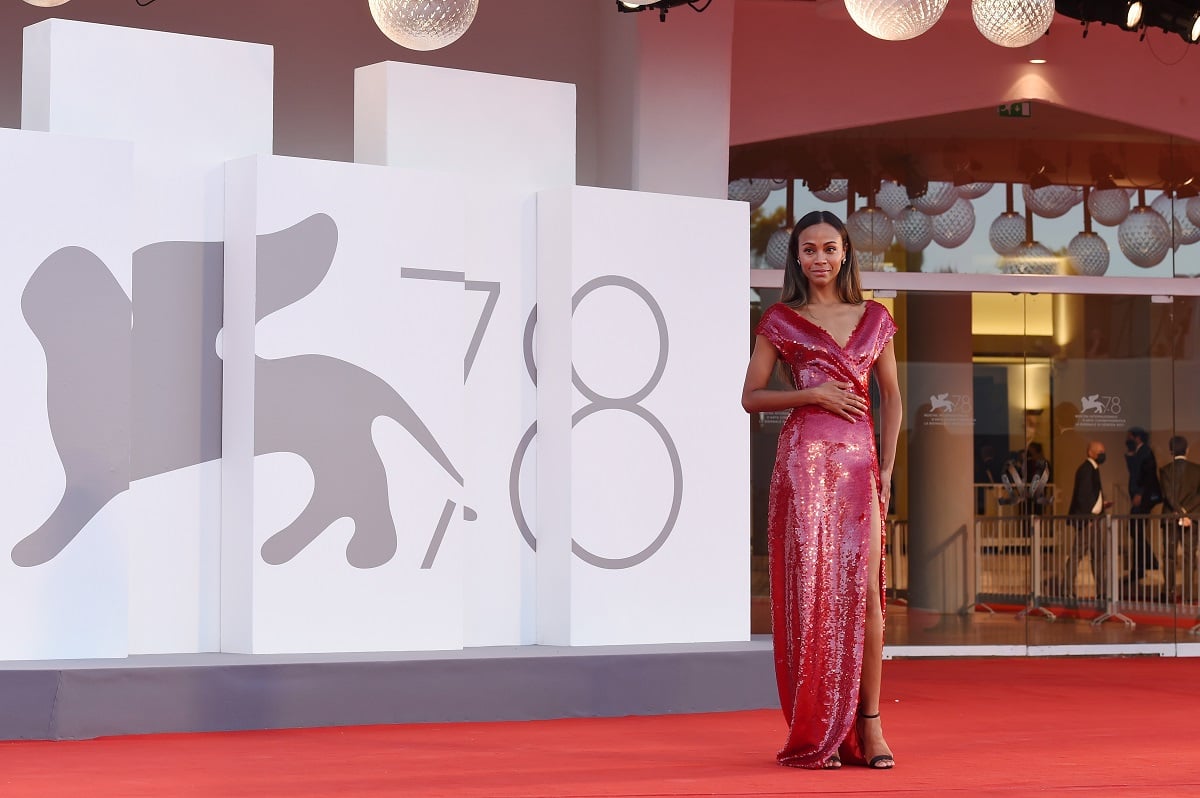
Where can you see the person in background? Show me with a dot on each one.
(1087, 506)
(1144, 495)
(1180, 483)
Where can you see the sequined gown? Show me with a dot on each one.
(819, 527)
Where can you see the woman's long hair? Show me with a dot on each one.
(795, 284)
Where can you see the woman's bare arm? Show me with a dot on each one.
(891, 414)
(836, 397)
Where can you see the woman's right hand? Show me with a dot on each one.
(840, 399)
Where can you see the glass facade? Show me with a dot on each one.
(1004, 393)
(1007, 391)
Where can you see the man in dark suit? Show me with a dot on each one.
(1180, 482)
(1086, 509)
(1144, 494)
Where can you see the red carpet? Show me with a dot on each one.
(1014, 727)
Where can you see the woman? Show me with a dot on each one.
(828, 497)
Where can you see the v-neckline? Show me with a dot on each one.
(843, 347)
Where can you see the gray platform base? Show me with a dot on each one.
(70, 700)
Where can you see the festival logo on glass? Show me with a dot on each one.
(949, 410)
(1101, 412)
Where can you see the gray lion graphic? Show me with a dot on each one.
(320, 408)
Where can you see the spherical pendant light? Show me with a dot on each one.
(895, 20)
(869, 261)
(1109, 206)
(1050, 202)
(1007, 233)
(952, 228)
(1183, 231)
(974, 190)
(1144, 237)
(423, 24)
(1193, 210)
(937, 199)
(776, 254)
(870, 230)
(1089, 254)
(837, 190)
(1030, 257)
(914, 230)
(1012, 23)
(892, 199)
(751, 190)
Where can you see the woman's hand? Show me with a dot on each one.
(885, 490)
(840, 399)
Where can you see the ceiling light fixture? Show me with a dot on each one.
(895, 21)
(1088, 252)
(423, 24)
(1012, 23)
(1144, 236)
(1008, 230)
(1174, 17)
(661, 6)
(1125, 14)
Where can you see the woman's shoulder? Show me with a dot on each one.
(881, 319)
(777, 312)
(878, 308)
(777, 323)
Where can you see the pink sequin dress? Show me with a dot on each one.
(819, 528)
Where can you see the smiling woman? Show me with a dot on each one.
(828, 494)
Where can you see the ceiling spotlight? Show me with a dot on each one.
(818, 181)
(1105, 171)
(661, 6)
(1126, 14)
(1174, 17)
(916, 186)
(1039, 180)
(1133, 15)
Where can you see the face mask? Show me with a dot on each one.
(1131, 444)
(1100, 458)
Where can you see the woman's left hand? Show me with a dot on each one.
(885, 489)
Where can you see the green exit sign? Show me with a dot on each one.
(1017, 109)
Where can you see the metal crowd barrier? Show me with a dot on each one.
(1063, 561)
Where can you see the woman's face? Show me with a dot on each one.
(820, 253)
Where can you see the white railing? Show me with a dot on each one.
(1114, 563)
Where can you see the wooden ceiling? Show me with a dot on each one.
(1056, 144)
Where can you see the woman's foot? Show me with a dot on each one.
(832, 763)
(875, 748)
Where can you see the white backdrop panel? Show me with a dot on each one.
(188, 104)
(64, 322)
(465, 124)
(501, 407)
(492, 127)
(357, 408)
(659, 482)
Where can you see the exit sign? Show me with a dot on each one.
(1017, 109)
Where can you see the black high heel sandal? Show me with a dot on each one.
(832, 763)
(883, 761)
